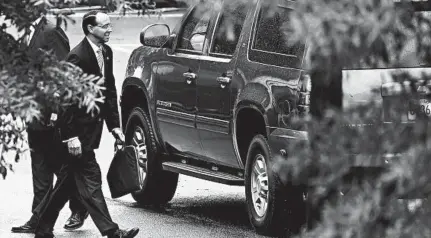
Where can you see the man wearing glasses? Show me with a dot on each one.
(81, 133)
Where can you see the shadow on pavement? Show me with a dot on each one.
(224, 211)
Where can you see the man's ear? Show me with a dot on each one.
(90, 28)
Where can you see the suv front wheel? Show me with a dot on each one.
(157, 186)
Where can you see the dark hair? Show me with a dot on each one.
(36, 11)
(41, 8)
(89, 19)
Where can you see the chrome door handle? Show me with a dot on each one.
(224, 80)
(189, 75)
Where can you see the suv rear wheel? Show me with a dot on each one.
(157, 186)
(273, 209)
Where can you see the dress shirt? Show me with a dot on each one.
(33, 29)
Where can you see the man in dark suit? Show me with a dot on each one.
(81, 133)
(44, 161)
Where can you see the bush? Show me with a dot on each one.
(29, 86)
(356, 202)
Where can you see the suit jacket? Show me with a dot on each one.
(75, 122)
(47, 36)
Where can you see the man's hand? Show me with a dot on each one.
(74, 146)
(118, 135)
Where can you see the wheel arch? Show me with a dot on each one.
(134, 94)
(249, 120)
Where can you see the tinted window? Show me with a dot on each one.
(195, 27)
(270, 44)
(229, 27)
(271, 31)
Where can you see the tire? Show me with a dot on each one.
(285, 210)
(157, 186)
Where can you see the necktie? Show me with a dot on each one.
(100, 58)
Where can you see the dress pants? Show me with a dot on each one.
(45, 162)
(80, 175)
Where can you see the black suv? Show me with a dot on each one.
(212, 99)
(215, 98)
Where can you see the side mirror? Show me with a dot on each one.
(155, 35)
(197, 41)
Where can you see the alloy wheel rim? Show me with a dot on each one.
(139, 142)
(259, 185)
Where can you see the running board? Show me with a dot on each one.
(202, 173)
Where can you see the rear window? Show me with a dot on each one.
(270, 36)
(270, 40)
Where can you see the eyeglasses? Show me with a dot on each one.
(106, 26)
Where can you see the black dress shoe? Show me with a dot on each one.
(75, 221)
(26, 228)
(124, 233)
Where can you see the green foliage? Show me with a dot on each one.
(345, 31)
(28, 86)
(357, 202)
(369, 205)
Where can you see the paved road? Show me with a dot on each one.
(199, 208)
